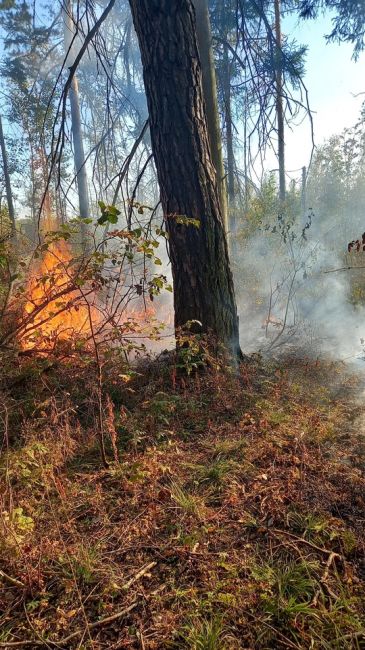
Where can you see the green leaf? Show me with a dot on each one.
(109, 213)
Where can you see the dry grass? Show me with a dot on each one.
(234, 519)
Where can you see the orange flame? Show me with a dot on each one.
(57, 309)
(59, 312)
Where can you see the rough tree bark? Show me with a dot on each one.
(79, 155)
(203, 285)
(279, 102)
(9, 194)
(204, 37)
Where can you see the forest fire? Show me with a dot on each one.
(182, 338)
(61, 305)
(55, 304)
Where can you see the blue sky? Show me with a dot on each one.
(332, 78)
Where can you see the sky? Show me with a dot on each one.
(332, 78)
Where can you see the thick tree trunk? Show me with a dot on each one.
(79, 155)
(9, 194)
(279, 102)
(203, 285)
(204, 36)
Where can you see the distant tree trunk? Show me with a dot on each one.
(279, 101)
(226, 84)
(46, 188)
(203, 285)
(9, 194)
(245, 151)
(126, 50)
(204, 37)
(304, 194)
(79, 155)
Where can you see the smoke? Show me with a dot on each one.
(293, 296)
(294, 291)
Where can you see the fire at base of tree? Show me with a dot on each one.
(182, 450)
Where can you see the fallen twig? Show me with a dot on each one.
(331, 559)
(323, 580)
(139, 575)
(70, 637)
(301, 540)
(13, 581)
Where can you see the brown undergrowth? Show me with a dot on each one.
(231, 514)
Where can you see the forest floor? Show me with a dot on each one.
(232, 513)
